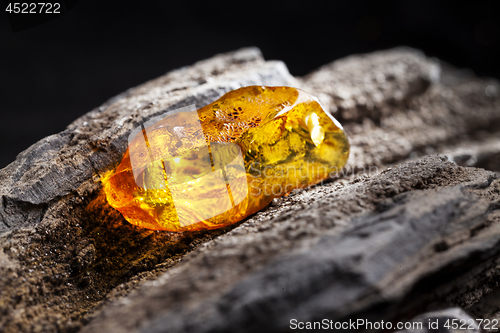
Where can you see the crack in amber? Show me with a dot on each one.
(272, 140)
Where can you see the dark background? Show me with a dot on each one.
(52, 73)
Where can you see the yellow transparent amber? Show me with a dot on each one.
(258, 142)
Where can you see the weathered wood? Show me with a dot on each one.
(415, 230)
(341, 249)
(398, 103)
(46, 229)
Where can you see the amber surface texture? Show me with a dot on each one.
(212, 167)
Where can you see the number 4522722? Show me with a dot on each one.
(33, 8)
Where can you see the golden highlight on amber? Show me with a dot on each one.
(213, 167)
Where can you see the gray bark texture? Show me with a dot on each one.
(411, 225)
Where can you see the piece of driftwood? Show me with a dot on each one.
(396, 234)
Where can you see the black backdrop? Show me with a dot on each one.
(52, 73)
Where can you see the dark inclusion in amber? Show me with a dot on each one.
(212, 167)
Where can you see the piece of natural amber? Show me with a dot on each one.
(213, 167)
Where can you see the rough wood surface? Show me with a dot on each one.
(394, 235)
(417, 224)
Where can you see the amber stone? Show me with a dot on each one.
(212, 167)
